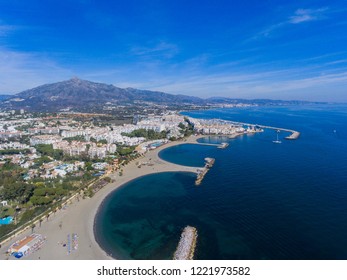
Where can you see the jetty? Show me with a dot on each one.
(223, 145)
(202, 172)
(294, 134)
(186, 247)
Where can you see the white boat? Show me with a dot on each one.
(277, 141)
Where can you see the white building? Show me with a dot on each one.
(44, 139)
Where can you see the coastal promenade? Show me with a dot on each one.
(77, 219)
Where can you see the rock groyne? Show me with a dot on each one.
(186, 246)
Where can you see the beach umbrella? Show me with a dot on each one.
(18, 255)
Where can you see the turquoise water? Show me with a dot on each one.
(259, 201)
(6, 221)
(188, 154)
(156, 144)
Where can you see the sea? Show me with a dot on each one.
(260, 200)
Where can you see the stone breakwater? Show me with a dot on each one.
(295, 135)
(201, 174)
(186, 246)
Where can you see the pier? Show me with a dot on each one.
(219, 146)
(186, 246)
(209, 163)
(207, 144)
(294, 134)
(223, 145)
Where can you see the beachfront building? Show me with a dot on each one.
(27, 245)
(216, 127)
(100, 165)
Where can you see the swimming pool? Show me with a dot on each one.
(156, 144)
(6, 221)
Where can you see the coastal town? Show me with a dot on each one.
(49, 161)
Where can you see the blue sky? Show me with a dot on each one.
(239, 49)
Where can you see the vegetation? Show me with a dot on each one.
(28, 199)
(76, 138)
(46, 195)
(14, 151)
(188, 129)
(102, 141)
(23, 127)
(39, 161)
(47, 150)
(125, 151)
(149, 134)
(5, 229)
(13, 186)
(6, 211)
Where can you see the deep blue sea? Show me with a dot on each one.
(259, 201)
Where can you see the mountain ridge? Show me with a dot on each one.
(83, 95)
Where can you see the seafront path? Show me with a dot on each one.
(78, 217)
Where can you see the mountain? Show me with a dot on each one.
(260, 102)
(81, 95)
(84, 95)
(4, 96)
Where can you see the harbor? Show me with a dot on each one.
(186, 246)
(293, 136)
(201, 173)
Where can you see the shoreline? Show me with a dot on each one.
(79, 217)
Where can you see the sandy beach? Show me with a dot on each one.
(78, 217)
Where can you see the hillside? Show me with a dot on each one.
(84, 95)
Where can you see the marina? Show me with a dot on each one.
(293, 136)
(186, 246)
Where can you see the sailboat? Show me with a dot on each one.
(277, 141)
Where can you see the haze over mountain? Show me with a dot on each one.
(82, 95)
(77, 94)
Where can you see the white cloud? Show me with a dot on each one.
(5, 29)
(20, 71)
(300, 16)
(304, 15)
(161, 49)
(282, 84)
